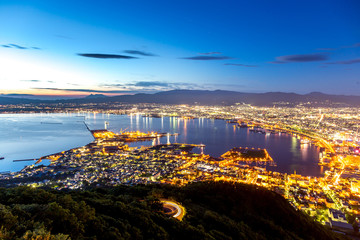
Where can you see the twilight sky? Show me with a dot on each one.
(121, 46)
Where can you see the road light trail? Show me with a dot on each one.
(177, 211)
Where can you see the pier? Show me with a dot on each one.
(25, 160)
(87, 127)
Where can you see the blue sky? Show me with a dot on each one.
(122, 47)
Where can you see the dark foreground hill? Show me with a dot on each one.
(214, 211)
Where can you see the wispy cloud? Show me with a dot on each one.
(205, 58)
(210, 53)
(84, 90)
(131, 88)
(351, 61)
(37, 81)
(112, 85)
(141, 53)
(355, 45)
(239, 65)
(16, 46)
(30, 80)
(73, 84)
(63, 36)
(105, 56)
(277, 62)
(151, 86)
(313, 57)
(17, 95)
(139, 87)
(326, 49)
(164, 85)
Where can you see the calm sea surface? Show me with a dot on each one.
(28, 136)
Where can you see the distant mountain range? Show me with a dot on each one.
(203, 97)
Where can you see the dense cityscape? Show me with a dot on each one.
(333, 199)
(172, 120)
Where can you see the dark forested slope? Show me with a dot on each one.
(214, 211)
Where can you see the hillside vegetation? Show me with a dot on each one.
(214, 210)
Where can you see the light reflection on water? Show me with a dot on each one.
(25, 137)
(219, 137)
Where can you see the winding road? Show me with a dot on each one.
(173, 209)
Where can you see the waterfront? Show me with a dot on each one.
(35, 135)
(31, 136)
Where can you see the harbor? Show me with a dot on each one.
(285, 149)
